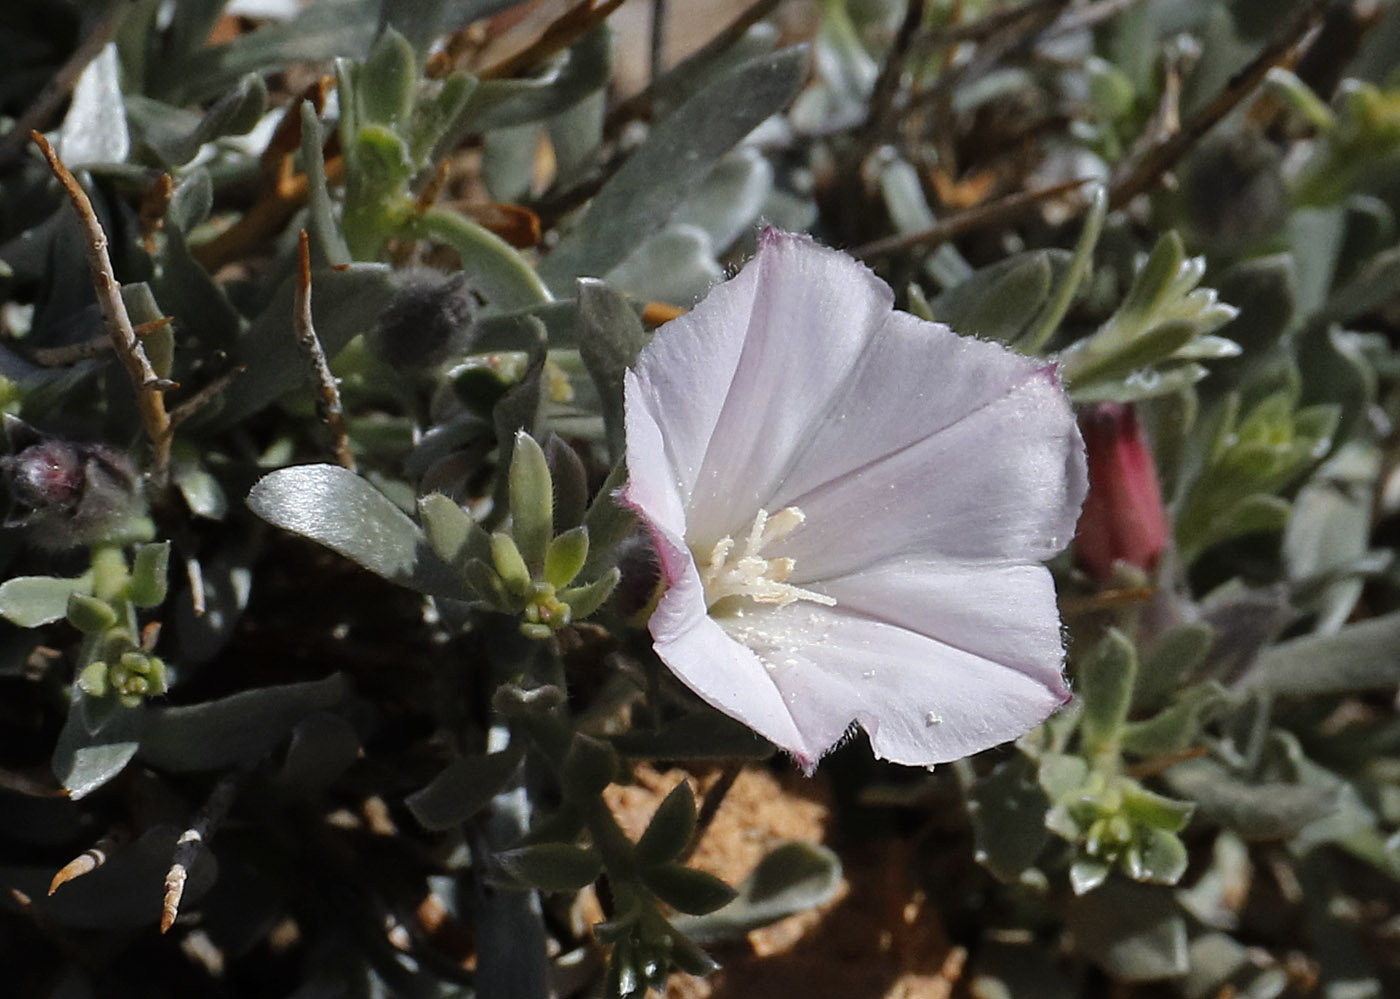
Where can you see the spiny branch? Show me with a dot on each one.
(331, 410)
(149, 387)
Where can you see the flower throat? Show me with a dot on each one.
(728, 574)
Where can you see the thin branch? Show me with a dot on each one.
(84, 863)
(150, 397)
(886, 88)
(331, 410)
(982, 27)
(1086, 17)
(658, 38)
(204, 396)
(1162, 157)
(1003, 210)
(709, 808)
(639, 105)
(191, 841)
(43, 106)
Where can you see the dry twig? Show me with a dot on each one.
(1166, 154)
(150, 388)
(331, 410)
(187, 847)
(1002, 210)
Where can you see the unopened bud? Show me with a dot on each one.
(75, 493)
(429, 317)
(1123, 518)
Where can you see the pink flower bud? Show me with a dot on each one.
(1123, 518)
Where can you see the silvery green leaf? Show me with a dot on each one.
(94, 129)
(323, 30)
(903, 194)
(339, 509)
(688, 890)
(98, 739)
(678, 155)
(1315, 239)
(550, 867)
(670, 828)
(1329, 530)
(1106, 678)
(1134, 932)
(327, 240)
(508, 160)
(30, 601)
(323, 746)
(730, 199)
(237, 729)
(1359, 657)
(1253, 810)
(462, 789)
(1158, 857)
(575, 136)
(201, 490)
(1370, 230)
(1140, 385)
(1177, 727)
(677, 266)
(1217, 897)
(998, 302)
(1215, 959)
(512, 330)
(792, 878)
(581, 71)
(176, 136)
(1088, 873)
(1008, 809)
(612, 336)
(387, 81)
(1176, 655)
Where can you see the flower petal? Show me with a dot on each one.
(1003, 613)
(920, 700)
(712, 664)
(915, 380)
(1004, 484)
(739, 383)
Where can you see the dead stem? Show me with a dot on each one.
(204, 396)
(84, 863)
(953, 226)
(191, 841)
(1167, 153)
(709, 808)
(331, 410)
(150, 395)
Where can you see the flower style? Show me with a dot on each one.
(850, 507)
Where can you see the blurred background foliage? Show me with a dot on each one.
(319, 671)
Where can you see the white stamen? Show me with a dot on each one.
(746, 573)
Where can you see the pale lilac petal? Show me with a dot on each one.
(921, 701)
(683, 375)
(1004, 613)
(726, 674)
(915, 380)
(1002, 485)
(652, 489)
(813, 314)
